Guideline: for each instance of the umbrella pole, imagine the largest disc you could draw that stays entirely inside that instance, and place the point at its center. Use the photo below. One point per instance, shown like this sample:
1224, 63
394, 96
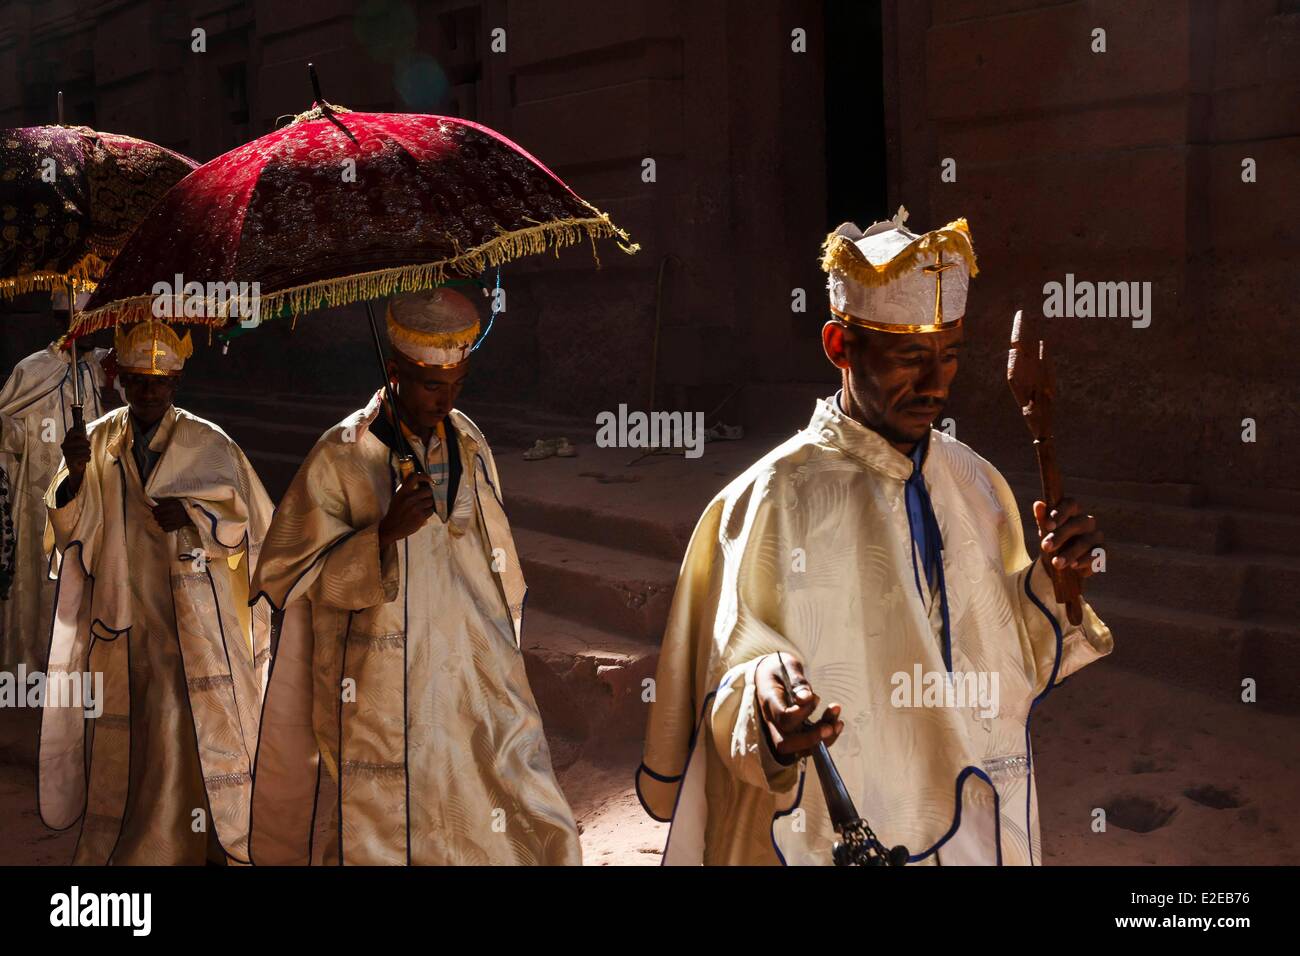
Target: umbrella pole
388, 391
77, 419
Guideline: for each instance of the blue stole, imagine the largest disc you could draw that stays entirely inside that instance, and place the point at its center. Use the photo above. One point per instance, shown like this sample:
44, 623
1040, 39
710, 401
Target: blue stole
927, 540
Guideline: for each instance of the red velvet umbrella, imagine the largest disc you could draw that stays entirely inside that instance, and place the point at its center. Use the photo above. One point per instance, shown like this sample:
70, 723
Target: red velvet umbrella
339, 207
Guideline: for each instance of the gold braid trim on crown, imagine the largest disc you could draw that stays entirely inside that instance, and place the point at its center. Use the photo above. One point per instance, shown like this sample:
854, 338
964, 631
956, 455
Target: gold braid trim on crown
436, 340
839, 254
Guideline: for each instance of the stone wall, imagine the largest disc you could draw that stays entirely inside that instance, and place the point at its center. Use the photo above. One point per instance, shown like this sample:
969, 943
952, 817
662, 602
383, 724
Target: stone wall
1115, 166
1119, 166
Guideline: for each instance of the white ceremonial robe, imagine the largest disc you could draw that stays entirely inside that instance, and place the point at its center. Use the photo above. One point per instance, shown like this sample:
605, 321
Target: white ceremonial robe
163, 775
35, 414
809, 552
400, 674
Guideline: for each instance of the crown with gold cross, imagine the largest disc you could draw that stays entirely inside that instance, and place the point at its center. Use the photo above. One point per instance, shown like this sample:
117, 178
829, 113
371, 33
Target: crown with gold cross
151, 348
890, 279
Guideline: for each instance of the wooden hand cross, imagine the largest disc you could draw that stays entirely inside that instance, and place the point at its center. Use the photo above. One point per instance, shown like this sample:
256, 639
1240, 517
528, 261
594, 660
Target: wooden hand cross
1033, 383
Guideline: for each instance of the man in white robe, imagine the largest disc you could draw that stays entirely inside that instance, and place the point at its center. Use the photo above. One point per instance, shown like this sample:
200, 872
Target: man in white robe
35, 414
398, 682
886, 562
155, 521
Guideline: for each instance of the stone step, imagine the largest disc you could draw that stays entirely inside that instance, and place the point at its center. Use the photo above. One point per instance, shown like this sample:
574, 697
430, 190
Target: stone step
1207, 529
589, 684
1201, 530
1263, 531
619, 591
1280, 500
503, 424
587, 521
1166, 493
271, 408
1227, 585
1208, 653
1273, 584
276, 432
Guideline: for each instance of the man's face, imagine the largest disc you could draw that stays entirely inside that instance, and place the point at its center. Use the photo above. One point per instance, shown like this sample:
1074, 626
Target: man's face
426, 395
149, 395
898, 382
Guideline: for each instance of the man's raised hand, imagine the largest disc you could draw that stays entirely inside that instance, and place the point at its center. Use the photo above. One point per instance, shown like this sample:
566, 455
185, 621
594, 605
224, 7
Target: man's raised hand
411, 507
1067, 536
784, 715
76, 449
76, 455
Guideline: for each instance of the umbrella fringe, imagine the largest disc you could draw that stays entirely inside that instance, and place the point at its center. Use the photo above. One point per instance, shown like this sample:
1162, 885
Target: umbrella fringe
92, 266
345, 290
45, 282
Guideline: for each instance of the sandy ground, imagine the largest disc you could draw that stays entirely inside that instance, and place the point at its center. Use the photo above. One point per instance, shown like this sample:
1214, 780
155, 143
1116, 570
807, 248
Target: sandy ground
1184, 779
615, 830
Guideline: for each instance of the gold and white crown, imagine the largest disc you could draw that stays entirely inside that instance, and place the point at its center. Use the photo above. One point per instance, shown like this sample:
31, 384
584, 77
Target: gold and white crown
434, 328
892, 280
151, 348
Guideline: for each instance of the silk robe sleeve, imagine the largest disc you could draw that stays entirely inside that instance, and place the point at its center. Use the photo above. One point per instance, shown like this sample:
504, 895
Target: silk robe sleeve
682, 695
230, 508
735, 719
1053, 646
80, 520
317, 546
738, 732
354, 575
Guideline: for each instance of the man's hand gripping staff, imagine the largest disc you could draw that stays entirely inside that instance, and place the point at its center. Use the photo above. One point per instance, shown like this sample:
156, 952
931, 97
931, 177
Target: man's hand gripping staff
785, 706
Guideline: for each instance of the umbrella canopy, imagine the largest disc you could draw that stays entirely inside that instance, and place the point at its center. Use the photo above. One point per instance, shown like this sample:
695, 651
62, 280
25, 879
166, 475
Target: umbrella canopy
339, 207
69, 197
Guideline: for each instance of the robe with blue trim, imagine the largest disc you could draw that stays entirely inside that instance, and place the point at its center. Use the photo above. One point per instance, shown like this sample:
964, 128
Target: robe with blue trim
810, 552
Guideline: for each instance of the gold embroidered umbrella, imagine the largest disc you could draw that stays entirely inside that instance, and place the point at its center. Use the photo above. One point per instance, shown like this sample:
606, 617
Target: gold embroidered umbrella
69, 198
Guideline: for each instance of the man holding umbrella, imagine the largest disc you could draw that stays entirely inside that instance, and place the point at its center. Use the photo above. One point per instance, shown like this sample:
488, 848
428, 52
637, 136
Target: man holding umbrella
398, 668
156, 519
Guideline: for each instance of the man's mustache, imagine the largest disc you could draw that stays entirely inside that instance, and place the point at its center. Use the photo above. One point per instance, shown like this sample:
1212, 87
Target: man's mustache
927, 405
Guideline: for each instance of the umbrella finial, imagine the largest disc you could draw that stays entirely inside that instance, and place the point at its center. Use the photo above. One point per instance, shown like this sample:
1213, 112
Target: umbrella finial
60, 107
325, 109
315, 83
